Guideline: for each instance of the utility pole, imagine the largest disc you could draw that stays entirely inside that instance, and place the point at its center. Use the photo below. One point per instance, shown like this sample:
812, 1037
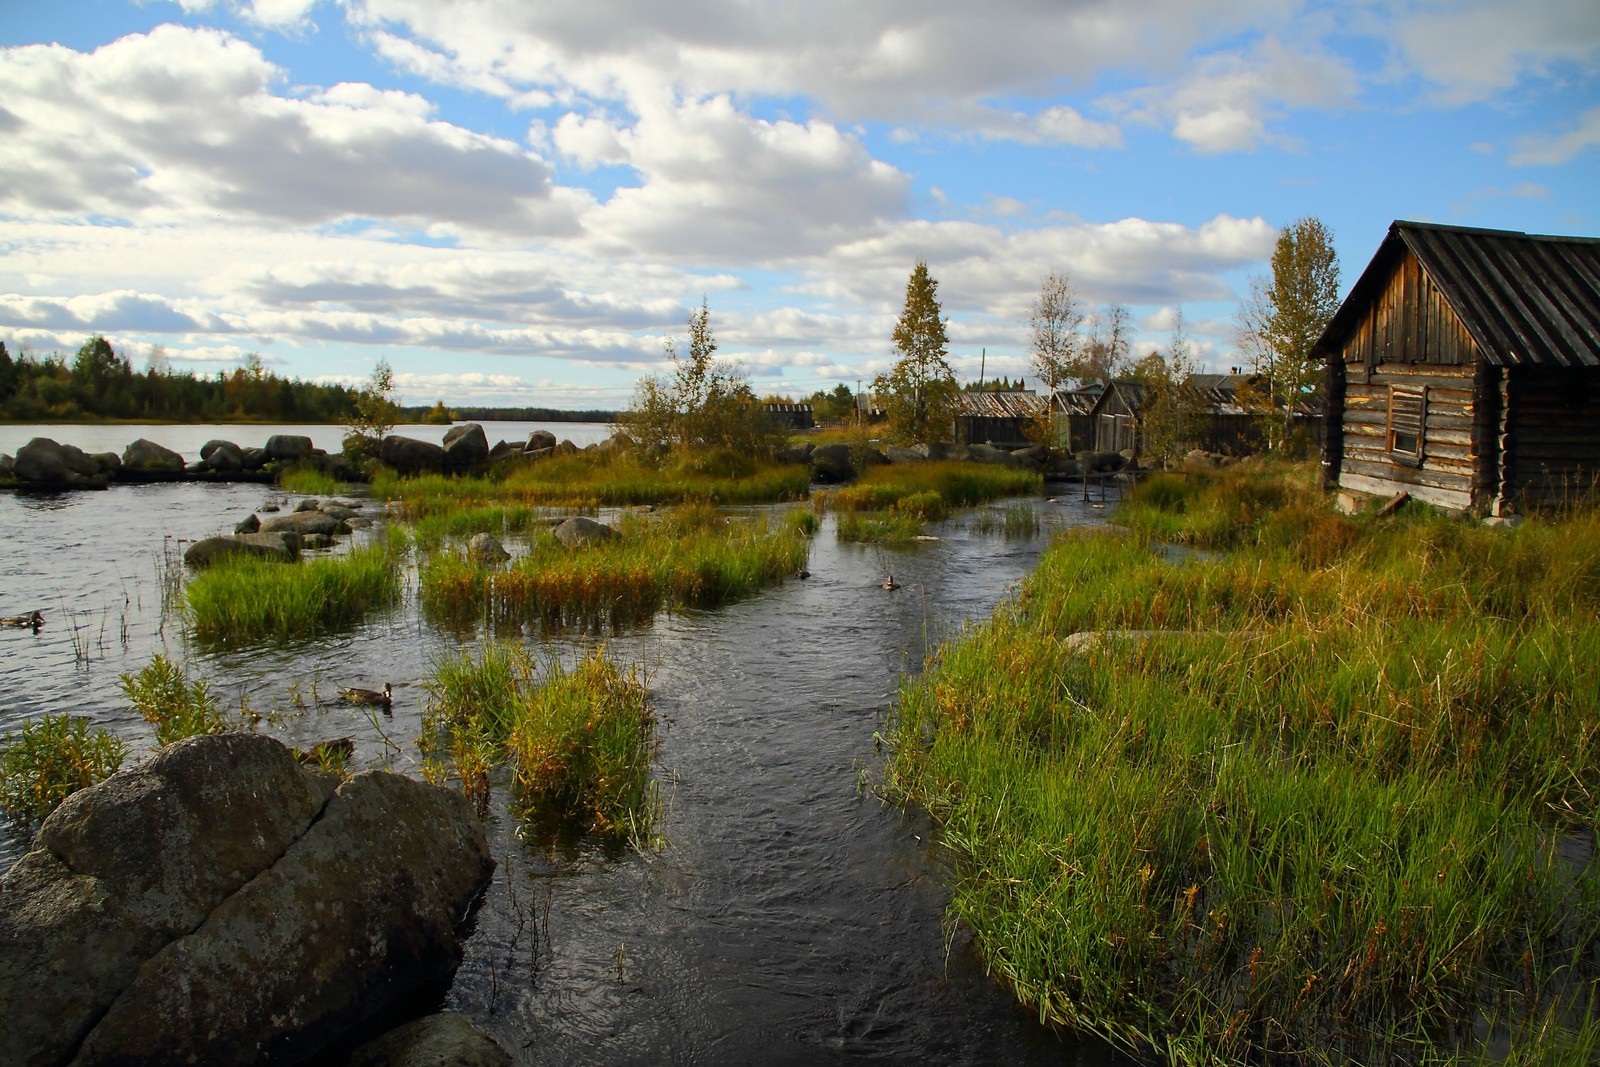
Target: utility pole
983, 358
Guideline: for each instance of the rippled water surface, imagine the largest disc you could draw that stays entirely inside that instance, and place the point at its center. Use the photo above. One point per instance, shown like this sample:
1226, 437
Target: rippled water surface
790, 917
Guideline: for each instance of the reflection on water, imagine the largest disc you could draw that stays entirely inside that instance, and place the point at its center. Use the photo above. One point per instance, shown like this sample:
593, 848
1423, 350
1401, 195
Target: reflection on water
790, 916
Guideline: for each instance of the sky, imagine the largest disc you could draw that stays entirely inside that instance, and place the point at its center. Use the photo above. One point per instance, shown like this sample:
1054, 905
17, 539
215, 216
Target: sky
517, 204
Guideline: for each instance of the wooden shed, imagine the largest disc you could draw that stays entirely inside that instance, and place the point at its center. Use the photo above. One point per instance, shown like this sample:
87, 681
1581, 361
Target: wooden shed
1464, 368
790, 416
997, 418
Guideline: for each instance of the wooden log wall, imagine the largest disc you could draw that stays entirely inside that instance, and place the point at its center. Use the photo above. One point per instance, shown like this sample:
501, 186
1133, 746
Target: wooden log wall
1551, 442
1410, 322
1447, 475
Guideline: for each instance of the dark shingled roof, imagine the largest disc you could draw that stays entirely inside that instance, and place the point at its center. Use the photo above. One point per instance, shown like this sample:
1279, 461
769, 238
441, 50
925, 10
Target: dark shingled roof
1524, 298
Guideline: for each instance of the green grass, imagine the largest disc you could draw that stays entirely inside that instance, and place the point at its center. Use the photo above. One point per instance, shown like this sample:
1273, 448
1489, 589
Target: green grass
177, 707
49, 759
1322, 820
593, 480
239, 600
580, 744
890, 504
691, 556
310, 482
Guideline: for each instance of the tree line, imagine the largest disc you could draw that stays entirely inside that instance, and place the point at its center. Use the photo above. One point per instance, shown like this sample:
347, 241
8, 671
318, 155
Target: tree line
100, 383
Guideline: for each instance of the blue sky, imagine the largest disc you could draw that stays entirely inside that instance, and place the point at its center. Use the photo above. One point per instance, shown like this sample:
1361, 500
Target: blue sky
515, 203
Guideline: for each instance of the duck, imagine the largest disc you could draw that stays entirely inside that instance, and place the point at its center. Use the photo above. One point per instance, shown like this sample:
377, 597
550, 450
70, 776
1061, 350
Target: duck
802, 573
34, 619
890, 583
368, 696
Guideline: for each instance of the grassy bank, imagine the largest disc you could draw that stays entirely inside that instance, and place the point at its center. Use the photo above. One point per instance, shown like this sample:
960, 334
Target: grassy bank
691, 556
1337, 810
580, 742
890, 504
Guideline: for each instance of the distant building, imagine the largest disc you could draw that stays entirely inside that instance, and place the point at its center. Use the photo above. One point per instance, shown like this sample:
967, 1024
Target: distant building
1464, 368
1001, 419
790, 416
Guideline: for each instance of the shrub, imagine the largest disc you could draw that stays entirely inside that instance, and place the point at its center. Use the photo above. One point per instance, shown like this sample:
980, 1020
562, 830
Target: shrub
178, 708
51, 758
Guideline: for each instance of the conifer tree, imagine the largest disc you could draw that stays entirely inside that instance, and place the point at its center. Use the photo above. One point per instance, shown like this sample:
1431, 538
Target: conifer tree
919, 392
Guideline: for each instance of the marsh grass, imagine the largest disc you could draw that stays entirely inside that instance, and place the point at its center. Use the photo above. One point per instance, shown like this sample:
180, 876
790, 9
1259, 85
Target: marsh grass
49, 759
310, 482
593, 480
579, 743
690, 557
238, 600
177, 707
890, 504
1328, 817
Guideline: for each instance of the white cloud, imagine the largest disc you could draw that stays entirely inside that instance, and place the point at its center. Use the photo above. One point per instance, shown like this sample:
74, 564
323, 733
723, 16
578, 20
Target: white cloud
1552, 150
1471, 49
181, 124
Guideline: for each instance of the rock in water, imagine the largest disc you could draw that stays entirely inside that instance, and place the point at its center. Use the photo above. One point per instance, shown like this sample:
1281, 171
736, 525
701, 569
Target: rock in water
581, 530
465, 446
146, 455
486, 549
219, 906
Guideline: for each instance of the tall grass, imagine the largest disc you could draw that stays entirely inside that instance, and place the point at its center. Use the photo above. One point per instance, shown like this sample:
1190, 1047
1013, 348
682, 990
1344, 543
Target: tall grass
1334, 810
580, 744
890, 504
49, 759
310, 481
592, 480
688, 557
239, 600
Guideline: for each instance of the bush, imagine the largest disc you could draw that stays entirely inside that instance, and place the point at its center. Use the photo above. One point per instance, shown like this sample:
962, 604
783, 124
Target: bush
51, 758
178, 708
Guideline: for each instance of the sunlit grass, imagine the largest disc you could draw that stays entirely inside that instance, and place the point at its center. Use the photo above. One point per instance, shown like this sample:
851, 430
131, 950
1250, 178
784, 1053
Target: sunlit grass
238, 600
1325, 815
686, 557
50, 758
580, 741
310, 482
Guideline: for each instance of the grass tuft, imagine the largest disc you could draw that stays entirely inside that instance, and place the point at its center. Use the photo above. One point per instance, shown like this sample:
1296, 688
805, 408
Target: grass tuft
49, 759
238, 600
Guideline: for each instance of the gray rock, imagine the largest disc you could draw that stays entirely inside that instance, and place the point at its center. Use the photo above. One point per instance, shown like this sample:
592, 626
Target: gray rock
360, 911
410, 456
800, 453
316, 540
906, 453
281, 547
581, 530
254, 458
251, 523
465, 446
8, 465
45, 463
108, 462
215, 443
618, 442
308, 504
502, 451
539, 453
338, 512
269, 508
306, 522
447, 1039
288, 446
197, 467
539, 439
124, 867
567, 448
357, 522
146, 455
486, 549
224, 456
832, 463
991, 454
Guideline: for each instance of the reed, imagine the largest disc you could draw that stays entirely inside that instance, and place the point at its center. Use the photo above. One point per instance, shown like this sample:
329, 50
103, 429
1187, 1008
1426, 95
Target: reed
238, 600
310, 482
688, 557
1336, 812
957, 485
580, 744
49, 759
177, 707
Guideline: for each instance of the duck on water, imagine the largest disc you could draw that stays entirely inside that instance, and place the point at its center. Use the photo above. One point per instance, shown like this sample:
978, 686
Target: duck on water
381, 698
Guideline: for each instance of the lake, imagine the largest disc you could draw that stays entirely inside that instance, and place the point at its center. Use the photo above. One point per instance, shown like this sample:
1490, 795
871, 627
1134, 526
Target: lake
790, 917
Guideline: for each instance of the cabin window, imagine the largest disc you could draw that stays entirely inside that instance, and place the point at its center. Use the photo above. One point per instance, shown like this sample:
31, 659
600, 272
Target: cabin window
1408, 415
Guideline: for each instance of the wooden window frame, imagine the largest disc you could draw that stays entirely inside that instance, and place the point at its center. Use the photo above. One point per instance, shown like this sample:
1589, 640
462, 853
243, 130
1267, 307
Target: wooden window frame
1407, 426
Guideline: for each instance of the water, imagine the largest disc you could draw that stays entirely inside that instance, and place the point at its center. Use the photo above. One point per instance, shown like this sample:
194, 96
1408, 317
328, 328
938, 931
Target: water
790, 917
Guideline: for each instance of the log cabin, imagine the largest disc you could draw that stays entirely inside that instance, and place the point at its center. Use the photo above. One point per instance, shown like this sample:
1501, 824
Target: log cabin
1464, 369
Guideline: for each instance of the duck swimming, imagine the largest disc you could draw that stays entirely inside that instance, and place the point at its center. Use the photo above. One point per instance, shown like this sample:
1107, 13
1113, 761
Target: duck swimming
34, 619
368, 696
890, 583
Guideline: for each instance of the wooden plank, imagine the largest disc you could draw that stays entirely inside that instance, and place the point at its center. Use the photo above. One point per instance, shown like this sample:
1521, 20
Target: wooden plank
1455, 501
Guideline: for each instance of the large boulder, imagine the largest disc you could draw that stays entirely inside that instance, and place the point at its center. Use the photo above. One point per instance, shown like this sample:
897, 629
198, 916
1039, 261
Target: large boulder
288, 447
226, 456
1000, 457
539, 439
8, 465
146, 455
831, 463
619, 442
410, 456
796, 453
279, 547
465, 446
44, 463
108, 462
219, 906
446, 1039
907, 453
306, 522
581, 530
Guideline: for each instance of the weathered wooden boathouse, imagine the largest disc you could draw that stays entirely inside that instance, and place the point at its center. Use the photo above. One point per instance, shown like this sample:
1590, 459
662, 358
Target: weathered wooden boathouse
1464, 369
